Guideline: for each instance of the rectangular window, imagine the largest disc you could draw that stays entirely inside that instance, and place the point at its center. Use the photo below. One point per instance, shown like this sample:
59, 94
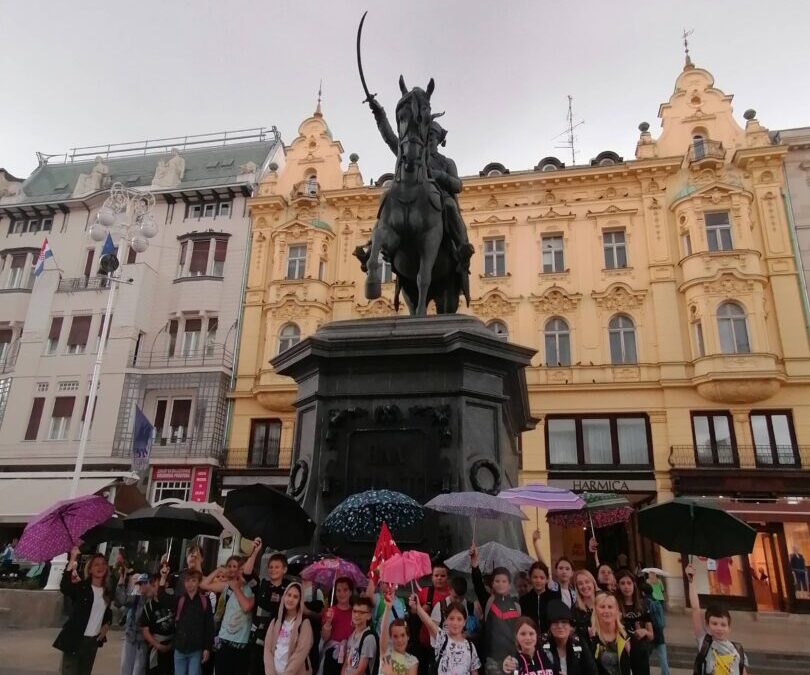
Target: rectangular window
17, 227
220, 251
686, 244
17, 271
774, 438
60, 417
178, 424
88, 262
209, 210
199, 258
225, 209
33, 225
172, 337
5, 345
194, 210
718, 231
615, 249
79, 332
32, 430
132, 256
101, 330
606, 440
495, 257
191, 336
265, 440
322, 270
160, 420
700, 347
296, 261
47, 224
171, 489
181, 263
714, 439
553, 260
211, 336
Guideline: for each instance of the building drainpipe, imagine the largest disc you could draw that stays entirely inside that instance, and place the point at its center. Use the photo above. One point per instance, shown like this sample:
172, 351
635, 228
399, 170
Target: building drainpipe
794, 242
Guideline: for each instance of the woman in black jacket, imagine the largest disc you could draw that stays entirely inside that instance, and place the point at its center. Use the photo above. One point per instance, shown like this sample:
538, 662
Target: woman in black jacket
562, 641
90, 615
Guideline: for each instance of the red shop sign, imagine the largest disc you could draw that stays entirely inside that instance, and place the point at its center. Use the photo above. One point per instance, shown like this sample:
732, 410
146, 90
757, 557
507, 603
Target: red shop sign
199, 486
171, 473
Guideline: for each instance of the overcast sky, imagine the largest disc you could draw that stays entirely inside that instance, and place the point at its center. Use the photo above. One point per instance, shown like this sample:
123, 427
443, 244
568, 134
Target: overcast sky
102, 71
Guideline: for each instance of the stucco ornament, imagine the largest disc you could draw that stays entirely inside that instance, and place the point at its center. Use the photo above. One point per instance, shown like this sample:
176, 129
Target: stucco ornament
492, 304
556, 301
619, 298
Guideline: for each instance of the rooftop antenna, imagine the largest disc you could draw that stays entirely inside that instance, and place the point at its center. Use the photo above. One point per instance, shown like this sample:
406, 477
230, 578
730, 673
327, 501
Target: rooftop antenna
569, 143
318, 107
685, 35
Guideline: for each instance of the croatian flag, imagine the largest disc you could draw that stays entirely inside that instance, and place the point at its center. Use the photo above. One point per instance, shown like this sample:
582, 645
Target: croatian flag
44, 253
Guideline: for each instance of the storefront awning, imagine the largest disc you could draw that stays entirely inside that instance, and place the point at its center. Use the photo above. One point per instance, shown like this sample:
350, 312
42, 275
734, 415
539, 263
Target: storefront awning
23, 498
778, 511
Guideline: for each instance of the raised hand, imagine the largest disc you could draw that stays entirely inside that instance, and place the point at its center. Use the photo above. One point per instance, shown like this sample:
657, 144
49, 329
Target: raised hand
473, 555
536, 536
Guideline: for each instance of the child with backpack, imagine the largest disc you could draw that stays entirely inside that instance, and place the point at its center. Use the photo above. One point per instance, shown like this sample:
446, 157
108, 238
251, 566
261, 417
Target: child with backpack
289, 636
395, 659
717, 654
362, 648
194, 627
458, 593
454, 654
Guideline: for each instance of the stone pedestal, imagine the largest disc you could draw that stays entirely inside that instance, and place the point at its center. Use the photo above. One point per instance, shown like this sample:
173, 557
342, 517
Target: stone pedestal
417, 405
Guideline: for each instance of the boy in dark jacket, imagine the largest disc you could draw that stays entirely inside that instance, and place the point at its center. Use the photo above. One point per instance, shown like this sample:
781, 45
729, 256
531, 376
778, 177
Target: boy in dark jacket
194, 627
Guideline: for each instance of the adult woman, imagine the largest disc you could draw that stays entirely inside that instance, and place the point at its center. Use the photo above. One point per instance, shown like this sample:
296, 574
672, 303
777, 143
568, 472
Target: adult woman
567, 653
90, 616
336, 626
289, 637
610, 646
582, 611
533, 604
637, 622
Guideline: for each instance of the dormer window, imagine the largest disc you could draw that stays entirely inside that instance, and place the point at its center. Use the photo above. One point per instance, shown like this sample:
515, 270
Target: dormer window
494, 172
549, 167
494, 169
607, 158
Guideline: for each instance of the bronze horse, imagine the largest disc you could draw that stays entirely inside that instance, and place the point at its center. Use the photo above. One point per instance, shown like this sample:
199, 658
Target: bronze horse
410, 226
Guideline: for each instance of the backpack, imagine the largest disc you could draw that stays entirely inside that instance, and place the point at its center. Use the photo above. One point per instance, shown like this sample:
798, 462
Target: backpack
182, 603
700, 659
472, 626
374, 665
433, 667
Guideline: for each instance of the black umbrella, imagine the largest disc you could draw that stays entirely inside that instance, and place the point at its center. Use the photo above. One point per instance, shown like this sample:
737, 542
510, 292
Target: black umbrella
261, 511
112, 530
687, 526
172, 521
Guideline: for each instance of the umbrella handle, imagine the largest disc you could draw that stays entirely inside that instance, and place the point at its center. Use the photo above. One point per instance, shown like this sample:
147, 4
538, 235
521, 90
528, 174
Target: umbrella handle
590, 519
537, 517
475, 520
332, 599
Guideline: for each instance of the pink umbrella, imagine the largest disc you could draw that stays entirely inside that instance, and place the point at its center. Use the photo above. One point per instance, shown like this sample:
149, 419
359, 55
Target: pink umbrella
403, 568
59, 528
324, 573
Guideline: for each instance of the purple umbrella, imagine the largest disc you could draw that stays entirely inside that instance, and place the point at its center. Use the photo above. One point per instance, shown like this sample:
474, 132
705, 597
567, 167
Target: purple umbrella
59, 528
476, 505
543, 497
324, 573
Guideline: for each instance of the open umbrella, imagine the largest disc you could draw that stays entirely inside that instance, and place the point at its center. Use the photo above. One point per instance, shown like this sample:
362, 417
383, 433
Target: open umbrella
211, 508
491, 555
59, 528
403, 568
602, 509
324, 573
260, 511
113, 530
168, 520
686, 526
543, 497
476, 505
365, 512
297, 563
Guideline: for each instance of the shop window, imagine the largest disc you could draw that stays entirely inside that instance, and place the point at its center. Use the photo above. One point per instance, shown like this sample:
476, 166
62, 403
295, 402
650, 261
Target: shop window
774, 438
265, 442
733, 329
724, 577
558, 343
797, 539
714, 439
622, 338
615, 248
495, 257
296, 261
604, 440
288, 336
171, 489
553, 258
718, 231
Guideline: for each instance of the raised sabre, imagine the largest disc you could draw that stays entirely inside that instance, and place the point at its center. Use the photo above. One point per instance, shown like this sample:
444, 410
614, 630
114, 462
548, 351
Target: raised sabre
369, 95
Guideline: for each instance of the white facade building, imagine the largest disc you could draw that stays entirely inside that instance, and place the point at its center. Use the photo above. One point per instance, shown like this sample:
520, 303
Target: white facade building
174, 327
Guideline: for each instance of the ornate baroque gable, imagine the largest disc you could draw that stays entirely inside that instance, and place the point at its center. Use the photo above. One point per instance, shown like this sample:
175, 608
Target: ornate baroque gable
493, 304
619, 297
378, 307
555, 300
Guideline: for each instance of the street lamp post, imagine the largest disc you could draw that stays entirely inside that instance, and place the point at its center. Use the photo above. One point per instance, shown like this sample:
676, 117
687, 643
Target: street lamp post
128, 214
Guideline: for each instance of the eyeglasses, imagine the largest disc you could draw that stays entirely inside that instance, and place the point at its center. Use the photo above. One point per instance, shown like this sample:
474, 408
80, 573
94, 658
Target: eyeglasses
360, 611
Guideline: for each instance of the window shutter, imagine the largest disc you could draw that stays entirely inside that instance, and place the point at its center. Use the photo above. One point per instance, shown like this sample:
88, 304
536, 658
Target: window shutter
199, 257
33, 421
220, 250
132, 255
193, 325
213, 324
181, 413
5, 336
18, 260
84, 408
56, 328
173, 327
79, 330
63, 406
183, 247
101, 324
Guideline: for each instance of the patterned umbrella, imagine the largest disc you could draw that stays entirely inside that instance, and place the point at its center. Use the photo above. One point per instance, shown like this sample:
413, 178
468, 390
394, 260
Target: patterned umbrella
325, 572
475, 505
297, 563
404, 568
59, 528
364, 513
491, 555
602, 509
543, 497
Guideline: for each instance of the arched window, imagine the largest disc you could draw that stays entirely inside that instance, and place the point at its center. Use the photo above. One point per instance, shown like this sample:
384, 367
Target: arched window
622, 334
288, 336
558, 343
607, 161
733, 329
500, 329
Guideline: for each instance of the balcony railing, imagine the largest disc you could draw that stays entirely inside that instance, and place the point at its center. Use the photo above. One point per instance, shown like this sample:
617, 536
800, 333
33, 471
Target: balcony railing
700, 150
99, 283
255, 458
179, 447
217, 355
739, 457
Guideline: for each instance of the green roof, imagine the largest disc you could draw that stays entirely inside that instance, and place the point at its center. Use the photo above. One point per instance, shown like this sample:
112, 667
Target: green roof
321, 225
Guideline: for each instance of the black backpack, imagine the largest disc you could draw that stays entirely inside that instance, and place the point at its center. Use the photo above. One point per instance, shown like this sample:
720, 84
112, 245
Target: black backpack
373, 667
700, 659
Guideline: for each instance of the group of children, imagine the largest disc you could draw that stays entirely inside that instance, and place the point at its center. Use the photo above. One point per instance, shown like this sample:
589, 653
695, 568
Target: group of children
233, 622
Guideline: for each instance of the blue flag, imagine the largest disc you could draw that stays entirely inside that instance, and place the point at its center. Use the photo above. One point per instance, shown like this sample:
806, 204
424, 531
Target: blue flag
142, 432
108, 247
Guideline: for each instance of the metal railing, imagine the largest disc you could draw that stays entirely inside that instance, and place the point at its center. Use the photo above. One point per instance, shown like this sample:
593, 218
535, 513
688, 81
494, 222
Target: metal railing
217, 355
255, 458
706, 149
97, 283
739, 457
177, 448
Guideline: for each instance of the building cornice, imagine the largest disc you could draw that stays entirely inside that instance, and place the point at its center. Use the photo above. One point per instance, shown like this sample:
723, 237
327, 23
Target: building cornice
745, 157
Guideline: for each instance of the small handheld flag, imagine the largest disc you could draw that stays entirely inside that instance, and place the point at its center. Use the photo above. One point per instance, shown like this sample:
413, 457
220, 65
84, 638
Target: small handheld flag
44, 253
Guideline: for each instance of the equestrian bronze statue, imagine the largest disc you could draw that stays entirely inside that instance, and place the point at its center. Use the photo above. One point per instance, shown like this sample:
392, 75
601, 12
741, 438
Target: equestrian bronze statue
419, 228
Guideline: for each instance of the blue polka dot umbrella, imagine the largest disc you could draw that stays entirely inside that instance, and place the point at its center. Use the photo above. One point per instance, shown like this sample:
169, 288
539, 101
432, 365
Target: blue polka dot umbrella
363, 514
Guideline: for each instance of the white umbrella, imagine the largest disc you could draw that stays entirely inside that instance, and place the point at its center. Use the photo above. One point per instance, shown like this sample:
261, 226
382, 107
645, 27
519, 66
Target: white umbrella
655, 570
491, 555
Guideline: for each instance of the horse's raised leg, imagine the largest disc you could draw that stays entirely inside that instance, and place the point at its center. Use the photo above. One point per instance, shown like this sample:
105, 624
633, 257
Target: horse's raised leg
374, 274
427, 256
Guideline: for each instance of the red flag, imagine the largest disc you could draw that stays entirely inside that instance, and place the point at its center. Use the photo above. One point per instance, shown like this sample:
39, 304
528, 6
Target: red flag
386, 547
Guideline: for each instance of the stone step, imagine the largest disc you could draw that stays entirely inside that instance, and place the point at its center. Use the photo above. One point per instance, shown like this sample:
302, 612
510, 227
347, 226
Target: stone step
761, 662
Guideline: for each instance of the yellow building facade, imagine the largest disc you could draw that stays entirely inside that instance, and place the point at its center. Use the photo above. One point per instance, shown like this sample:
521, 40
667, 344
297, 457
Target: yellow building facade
661, 294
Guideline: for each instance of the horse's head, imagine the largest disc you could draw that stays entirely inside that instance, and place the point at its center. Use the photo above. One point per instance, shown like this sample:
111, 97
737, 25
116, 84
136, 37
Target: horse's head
413, 123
